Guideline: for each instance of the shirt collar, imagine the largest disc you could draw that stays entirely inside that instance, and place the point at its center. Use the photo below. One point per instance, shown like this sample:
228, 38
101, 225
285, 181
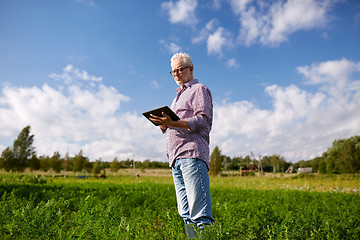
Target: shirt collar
186, 85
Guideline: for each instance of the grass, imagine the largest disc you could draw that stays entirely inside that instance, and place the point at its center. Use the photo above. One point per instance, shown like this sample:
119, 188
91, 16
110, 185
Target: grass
125, 207
301, 182
270, 181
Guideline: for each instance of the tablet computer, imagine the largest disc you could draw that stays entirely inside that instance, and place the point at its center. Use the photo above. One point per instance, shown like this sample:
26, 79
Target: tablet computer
159, 111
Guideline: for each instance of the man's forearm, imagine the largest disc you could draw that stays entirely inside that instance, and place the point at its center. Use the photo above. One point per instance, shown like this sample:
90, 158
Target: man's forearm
179, 124
166, 121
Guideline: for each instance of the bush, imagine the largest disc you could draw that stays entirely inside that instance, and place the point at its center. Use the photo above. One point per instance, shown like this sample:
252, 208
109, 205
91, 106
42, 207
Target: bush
25, 179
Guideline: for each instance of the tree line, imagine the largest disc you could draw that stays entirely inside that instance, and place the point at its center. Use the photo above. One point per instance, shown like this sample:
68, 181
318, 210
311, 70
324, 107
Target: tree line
220, 163
22, 155
342, 157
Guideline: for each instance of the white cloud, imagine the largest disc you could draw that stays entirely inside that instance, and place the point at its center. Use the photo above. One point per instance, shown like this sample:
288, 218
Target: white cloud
330, 72
76, 117
231, 62
183, 11
261, 22
216, 41
300, 125
171, 47
205, 32
271, 23
155, 84
335, 77
216, 37
71, 75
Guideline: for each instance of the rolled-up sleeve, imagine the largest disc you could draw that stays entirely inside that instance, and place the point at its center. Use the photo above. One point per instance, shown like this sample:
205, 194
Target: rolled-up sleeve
202, 110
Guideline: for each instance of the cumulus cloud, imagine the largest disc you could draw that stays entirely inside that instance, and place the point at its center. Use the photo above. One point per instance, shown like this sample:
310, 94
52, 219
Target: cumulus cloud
71, 74
335, 77
206, 31
271, 23
300, 125
183, 11
215, 37
260, 22
333, 72
171, 47
75, 117
216, 41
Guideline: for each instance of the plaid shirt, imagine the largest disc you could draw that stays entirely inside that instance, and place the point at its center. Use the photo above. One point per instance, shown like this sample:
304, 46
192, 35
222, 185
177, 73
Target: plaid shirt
192, 103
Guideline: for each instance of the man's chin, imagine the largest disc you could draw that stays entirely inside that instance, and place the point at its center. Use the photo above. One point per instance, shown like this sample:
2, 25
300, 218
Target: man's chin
180, 83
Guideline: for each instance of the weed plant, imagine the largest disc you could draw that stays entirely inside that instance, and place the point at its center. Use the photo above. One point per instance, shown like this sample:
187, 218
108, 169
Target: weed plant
96, 209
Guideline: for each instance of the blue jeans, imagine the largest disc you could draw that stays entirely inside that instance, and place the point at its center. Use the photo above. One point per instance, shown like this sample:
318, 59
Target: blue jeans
192, 188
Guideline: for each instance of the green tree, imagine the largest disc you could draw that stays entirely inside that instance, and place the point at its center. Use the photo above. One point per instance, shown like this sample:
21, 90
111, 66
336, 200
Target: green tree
234, 164
23, 149
44, 163
115, 165
146, 163
333, 157
34, 163
97, 166
79, 162
266, 163
322, 166
349, 157
7, 159
126, 163
215, 161
275, 159
344, 156
279, 164
55, 162
67, 163
303, 164
246, 162
318, 164
88, 166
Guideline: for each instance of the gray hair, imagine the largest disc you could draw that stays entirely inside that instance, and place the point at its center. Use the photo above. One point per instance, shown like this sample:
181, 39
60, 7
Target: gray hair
186, 59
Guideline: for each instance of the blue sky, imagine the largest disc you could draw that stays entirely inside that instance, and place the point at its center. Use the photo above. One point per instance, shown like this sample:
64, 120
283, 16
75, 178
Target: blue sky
284, 75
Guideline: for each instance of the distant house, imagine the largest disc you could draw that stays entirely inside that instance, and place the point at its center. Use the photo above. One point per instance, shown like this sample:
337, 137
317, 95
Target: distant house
305, 170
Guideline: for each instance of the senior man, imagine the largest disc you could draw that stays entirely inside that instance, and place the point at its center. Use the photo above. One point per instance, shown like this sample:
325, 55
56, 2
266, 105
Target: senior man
188, 144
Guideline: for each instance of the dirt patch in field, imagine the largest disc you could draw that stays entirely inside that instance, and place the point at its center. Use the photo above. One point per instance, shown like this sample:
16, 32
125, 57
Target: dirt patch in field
145, 172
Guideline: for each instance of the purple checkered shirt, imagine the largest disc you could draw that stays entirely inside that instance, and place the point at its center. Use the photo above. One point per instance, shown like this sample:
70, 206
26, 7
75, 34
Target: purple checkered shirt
192, 103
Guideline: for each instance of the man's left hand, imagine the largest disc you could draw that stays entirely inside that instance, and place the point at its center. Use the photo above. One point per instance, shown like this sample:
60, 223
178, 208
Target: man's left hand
165, 120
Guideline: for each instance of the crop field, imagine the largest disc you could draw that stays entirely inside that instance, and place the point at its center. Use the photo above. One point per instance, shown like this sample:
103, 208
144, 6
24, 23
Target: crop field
125, 207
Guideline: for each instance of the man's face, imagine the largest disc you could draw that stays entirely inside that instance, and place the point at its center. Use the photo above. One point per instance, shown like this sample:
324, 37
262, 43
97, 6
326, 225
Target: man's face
184, 76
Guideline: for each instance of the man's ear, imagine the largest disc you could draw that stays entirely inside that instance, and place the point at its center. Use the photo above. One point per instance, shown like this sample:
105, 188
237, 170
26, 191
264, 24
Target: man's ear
191, 69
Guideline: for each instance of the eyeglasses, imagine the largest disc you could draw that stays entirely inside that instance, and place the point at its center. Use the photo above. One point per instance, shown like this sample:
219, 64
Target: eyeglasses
178, 71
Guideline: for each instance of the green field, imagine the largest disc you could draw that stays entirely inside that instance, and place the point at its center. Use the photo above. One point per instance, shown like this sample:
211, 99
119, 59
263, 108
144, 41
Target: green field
125, 207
